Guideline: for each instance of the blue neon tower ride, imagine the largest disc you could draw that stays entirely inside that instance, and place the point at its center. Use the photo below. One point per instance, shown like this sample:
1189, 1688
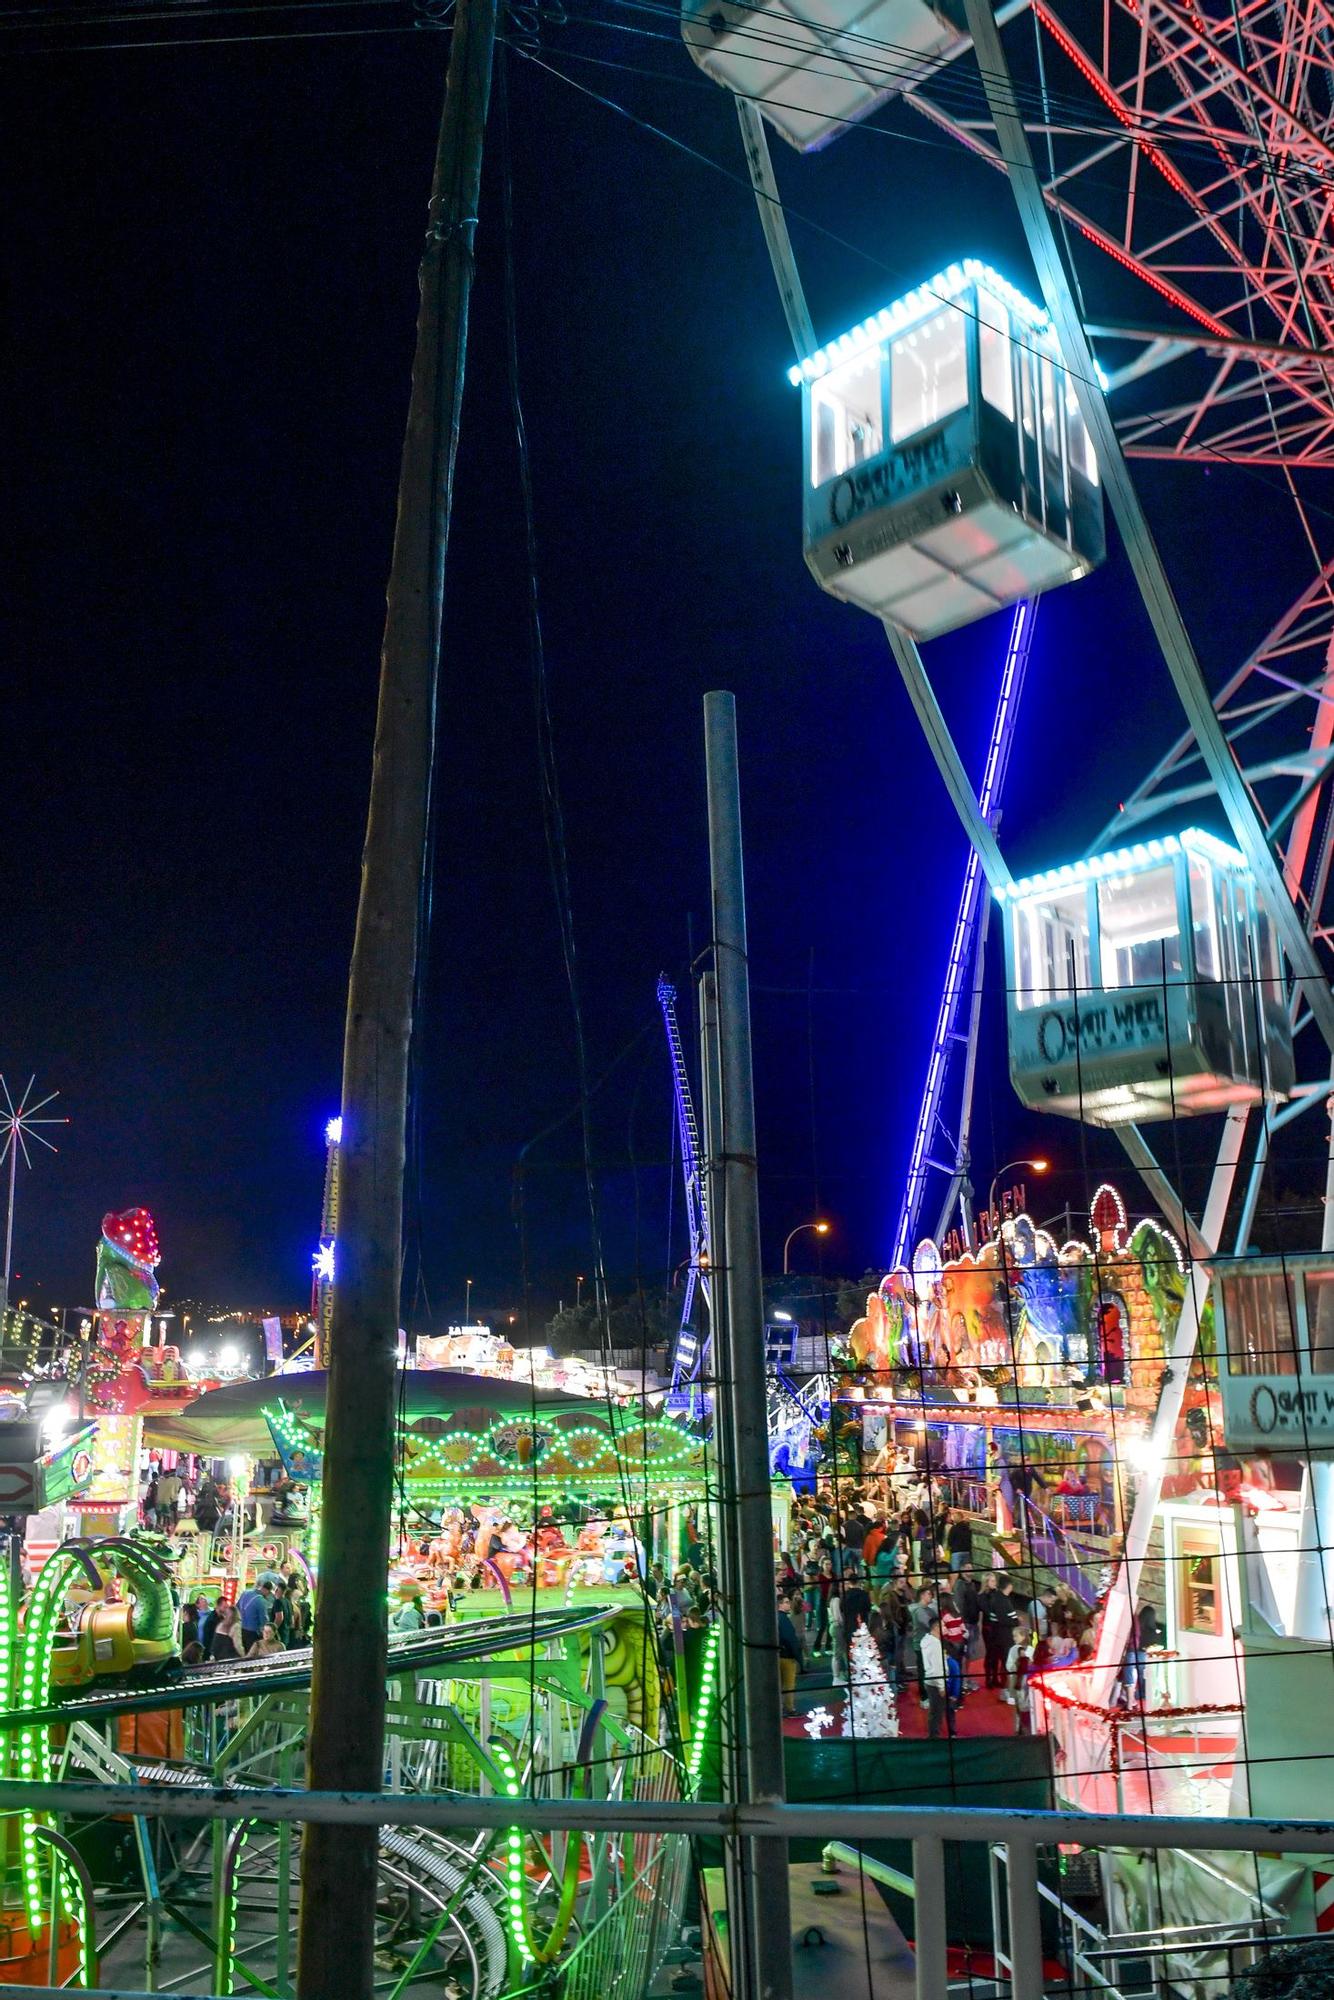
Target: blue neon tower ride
691, 1347
963, 971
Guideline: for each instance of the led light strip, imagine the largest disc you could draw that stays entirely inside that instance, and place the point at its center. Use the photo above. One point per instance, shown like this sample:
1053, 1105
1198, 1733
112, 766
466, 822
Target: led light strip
941, 290
516, 1879
34, 1692
708, 1689
225, 1960
72, 1894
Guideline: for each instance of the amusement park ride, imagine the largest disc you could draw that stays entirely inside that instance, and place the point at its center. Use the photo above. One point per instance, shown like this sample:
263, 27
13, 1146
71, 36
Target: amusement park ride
958, 449
958, 452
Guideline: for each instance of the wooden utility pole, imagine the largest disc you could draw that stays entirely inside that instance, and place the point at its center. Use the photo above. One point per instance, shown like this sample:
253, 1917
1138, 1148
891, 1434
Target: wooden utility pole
336, 1938
761, 1950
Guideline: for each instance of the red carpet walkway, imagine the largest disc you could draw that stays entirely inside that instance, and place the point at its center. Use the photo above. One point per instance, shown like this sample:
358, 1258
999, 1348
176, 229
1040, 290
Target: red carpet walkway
982, 1713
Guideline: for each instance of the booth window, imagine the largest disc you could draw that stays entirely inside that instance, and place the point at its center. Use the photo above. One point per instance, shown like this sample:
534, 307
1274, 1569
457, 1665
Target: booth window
1199, 1599
928, 374
1202, 919
1051, 421
1083, 458
1266, 953
1257, 1314
1027, 363
1137, 921
847, 418
1320, 1321
1052, 949
993, 341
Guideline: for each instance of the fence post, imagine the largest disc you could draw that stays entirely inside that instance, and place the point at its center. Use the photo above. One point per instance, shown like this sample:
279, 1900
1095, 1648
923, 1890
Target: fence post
1021, 1889
929, 1942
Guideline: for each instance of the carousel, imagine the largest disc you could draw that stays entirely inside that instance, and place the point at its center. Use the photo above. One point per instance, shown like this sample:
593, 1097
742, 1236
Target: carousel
501, 1488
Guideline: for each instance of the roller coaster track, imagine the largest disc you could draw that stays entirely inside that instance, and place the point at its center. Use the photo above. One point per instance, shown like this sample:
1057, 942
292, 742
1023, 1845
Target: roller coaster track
448, 1647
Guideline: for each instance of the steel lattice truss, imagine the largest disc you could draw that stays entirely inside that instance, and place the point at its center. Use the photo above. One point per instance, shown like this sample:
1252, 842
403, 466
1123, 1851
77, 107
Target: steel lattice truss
1278, 709
1194, 148
1189, 151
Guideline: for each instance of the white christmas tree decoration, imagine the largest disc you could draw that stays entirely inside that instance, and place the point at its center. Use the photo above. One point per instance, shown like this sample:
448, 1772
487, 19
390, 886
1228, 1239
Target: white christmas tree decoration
870, 1709
817, 1721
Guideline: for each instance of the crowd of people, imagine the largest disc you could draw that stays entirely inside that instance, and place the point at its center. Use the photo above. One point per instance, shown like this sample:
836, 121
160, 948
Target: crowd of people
187, 1491
909, 1576
270, 1616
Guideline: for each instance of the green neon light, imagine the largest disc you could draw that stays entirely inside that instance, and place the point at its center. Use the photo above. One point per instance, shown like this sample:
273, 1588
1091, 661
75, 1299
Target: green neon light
708, 1691
224, 1966
468, 1452
73, 1896
516, 1880
39, 1637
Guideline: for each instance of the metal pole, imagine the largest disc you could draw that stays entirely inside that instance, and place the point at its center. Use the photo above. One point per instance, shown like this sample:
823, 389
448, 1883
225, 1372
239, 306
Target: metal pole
9, 1221
744, 1433
336, 1939
1025, 1914
930, 1934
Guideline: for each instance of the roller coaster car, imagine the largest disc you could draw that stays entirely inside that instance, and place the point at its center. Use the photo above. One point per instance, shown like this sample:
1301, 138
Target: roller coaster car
135, 1638
103, 1644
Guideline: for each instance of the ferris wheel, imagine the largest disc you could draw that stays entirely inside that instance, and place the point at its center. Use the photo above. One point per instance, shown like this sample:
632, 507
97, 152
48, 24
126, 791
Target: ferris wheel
959, 450
1192, 156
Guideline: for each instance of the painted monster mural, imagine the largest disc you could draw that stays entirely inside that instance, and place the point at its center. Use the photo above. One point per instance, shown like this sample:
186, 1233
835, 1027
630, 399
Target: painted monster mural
1100, 1309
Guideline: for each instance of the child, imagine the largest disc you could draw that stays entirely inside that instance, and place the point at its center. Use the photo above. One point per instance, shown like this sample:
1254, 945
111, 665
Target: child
1017, 1668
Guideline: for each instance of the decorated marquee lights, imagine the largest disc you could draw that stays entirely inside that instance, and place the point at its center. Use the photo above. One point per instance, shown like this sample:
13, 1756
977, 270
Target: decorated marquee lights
591, 1459
904, 313
1121, 861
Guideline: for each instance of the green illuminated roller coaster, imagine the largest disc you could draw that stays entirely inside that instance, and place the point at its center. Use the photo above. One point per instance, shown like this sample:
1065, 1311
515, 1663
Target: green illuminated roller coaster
560, 1703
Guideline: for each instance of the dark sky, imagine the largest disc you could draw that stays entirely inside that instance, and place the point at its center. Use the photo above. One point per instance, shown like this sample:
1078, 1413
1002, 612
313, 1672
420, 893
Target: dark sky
209, 261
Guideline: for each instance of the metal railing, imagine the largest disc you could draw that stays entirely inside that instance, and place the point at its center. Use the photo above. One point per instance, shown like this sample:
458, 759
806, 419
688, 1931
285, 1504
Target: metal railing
1020, 1834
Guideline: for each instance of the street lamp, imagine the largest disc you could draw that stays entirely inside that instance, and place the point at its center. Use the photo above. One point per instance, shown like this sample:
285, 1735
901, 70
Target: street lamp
1038, 1166
578, 1290
818, 1229
467, 1301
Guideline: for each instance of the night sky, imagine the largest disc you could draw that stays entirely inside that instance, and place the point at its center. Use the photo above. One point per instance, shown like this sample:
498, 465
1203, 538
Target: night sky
209, 265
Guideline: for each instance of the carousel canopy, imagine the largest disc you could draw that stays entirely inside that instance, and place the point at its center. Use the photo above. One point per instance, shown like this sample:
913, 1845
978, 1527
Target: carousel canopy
232, 1419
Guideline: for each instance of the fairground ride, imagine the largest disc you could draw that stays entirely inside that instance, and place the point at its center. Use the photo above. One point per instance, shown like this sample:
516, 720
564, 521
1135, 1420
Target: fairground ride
959, 446
549, 1705
538, 1675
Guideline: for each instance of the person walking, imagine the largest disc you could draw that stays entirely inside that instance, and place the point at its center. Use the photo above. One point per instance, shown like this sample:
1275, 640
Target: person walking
922, 1616
959, 1541
968, 1603
226, 1631
997, 1623
796, 1611
206, 1507
252, 1610
854, 1539
819, 1590
932, 1657
1018, 1666
789, 1655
